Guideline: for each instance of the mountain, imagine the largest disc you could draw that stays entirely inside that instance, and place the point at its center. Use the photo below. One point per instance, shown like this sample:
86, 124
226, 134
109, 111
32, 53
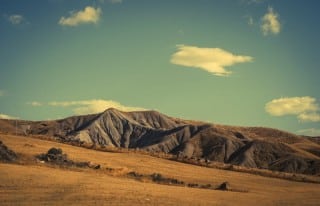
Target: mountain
255, 147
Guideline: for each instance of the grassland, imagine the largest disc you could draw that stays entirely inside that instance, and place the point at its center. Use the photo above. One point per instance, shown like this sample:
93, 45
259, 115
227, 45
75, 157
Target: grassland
28, 182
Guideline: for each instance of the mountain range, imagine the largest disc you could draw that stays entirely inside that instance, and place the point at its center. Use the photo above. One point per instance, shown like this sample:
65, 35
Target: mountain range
254, 147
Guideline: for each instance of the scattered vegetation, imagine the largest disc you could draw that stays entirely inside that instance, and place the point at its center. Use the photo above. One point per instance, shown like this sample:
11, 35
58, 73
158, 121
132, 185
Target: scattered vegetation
57, 157
160, 179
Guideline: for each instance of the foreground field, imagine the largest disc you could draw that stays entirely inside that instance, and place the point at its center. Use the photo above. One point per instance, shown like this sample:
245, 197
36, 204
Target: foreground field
31, 183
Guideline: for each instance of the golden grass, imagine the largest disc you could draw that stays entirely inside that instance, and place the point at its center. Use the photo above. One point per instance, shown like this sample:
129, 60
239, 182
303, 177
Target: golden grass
28, 183
218, 165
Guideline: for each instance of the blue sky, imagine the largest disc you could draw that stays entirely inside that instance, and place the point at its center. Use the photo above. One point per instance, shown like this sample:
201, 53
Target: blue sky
237, 62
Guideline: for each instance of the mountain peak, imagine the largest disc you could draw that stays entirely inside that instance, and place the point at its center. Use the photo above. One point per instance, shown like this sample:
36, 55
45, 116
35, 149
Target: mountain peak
111, 109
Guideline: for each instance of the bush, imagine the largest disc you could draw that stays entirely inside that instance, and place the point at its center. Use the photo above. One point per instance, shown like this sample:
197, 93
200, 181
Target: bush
56, 156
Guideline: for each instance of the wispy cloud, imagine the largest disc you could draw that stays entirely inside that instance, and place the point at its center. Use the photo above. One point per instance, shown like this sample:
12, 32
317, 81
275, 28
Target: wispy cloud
213, 60
181, 32
252, 1
305, 109
16, 19
270, 23
309, 132
89, 15
250, 20
93, 106
5, 116
115, 1
309, 117
35, 104
111, 1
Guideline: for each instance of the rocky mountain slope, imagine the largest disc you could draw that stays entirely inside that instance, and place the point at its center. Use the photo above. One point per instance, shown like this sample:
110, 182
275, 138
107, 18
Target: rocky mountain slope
255, 147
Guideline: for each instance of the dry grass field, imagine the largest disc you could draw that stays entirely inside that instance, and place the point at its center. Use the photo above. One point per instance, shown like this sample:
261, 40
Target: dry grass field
33, 183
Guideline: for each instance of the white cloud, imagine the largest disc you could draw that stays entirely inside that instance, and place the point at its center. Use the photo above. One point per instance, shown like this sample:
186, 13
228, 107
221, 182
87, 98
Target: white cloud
93, 106
5, 116
305, 108
309, 132
291, 105
213, 60
89, 15
35, 104
16, 19
270, 23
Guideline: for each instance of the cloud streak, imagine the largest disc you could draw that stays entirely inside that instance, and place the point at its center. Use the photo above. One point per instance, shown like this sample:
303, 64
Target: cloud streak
252, 1
115, 1
270, 23
250, 21
309, 117
111, 1
93, 106
5, 116
309, 132
35, 104
305, 108
89, 15
213, 60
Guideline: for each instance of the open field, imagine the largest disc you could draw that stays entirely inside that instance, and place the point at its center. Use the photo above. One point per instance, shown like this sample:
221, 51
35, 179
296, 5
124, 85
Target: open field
30, 183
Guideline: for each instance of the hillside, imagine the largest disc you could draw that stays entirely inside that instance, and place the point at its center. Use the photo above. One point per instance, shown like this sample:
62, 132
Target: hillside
254, 147
30, 182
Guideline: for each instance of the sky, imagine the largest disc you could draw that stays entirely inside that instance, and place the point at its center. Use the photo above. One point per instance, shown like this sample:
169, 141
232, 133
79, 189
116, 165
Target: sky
234, 62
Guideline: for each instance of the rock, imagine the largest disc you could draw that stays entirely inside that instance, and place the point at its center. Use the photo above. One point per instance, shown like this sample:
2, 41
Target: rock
224, 186
97, 167
6, 155
55, 151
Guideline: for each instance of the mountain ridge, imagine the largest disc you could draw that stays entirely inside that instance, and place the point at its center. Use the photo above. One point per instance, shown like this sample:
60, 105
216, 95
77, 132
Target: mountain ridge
256, 147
